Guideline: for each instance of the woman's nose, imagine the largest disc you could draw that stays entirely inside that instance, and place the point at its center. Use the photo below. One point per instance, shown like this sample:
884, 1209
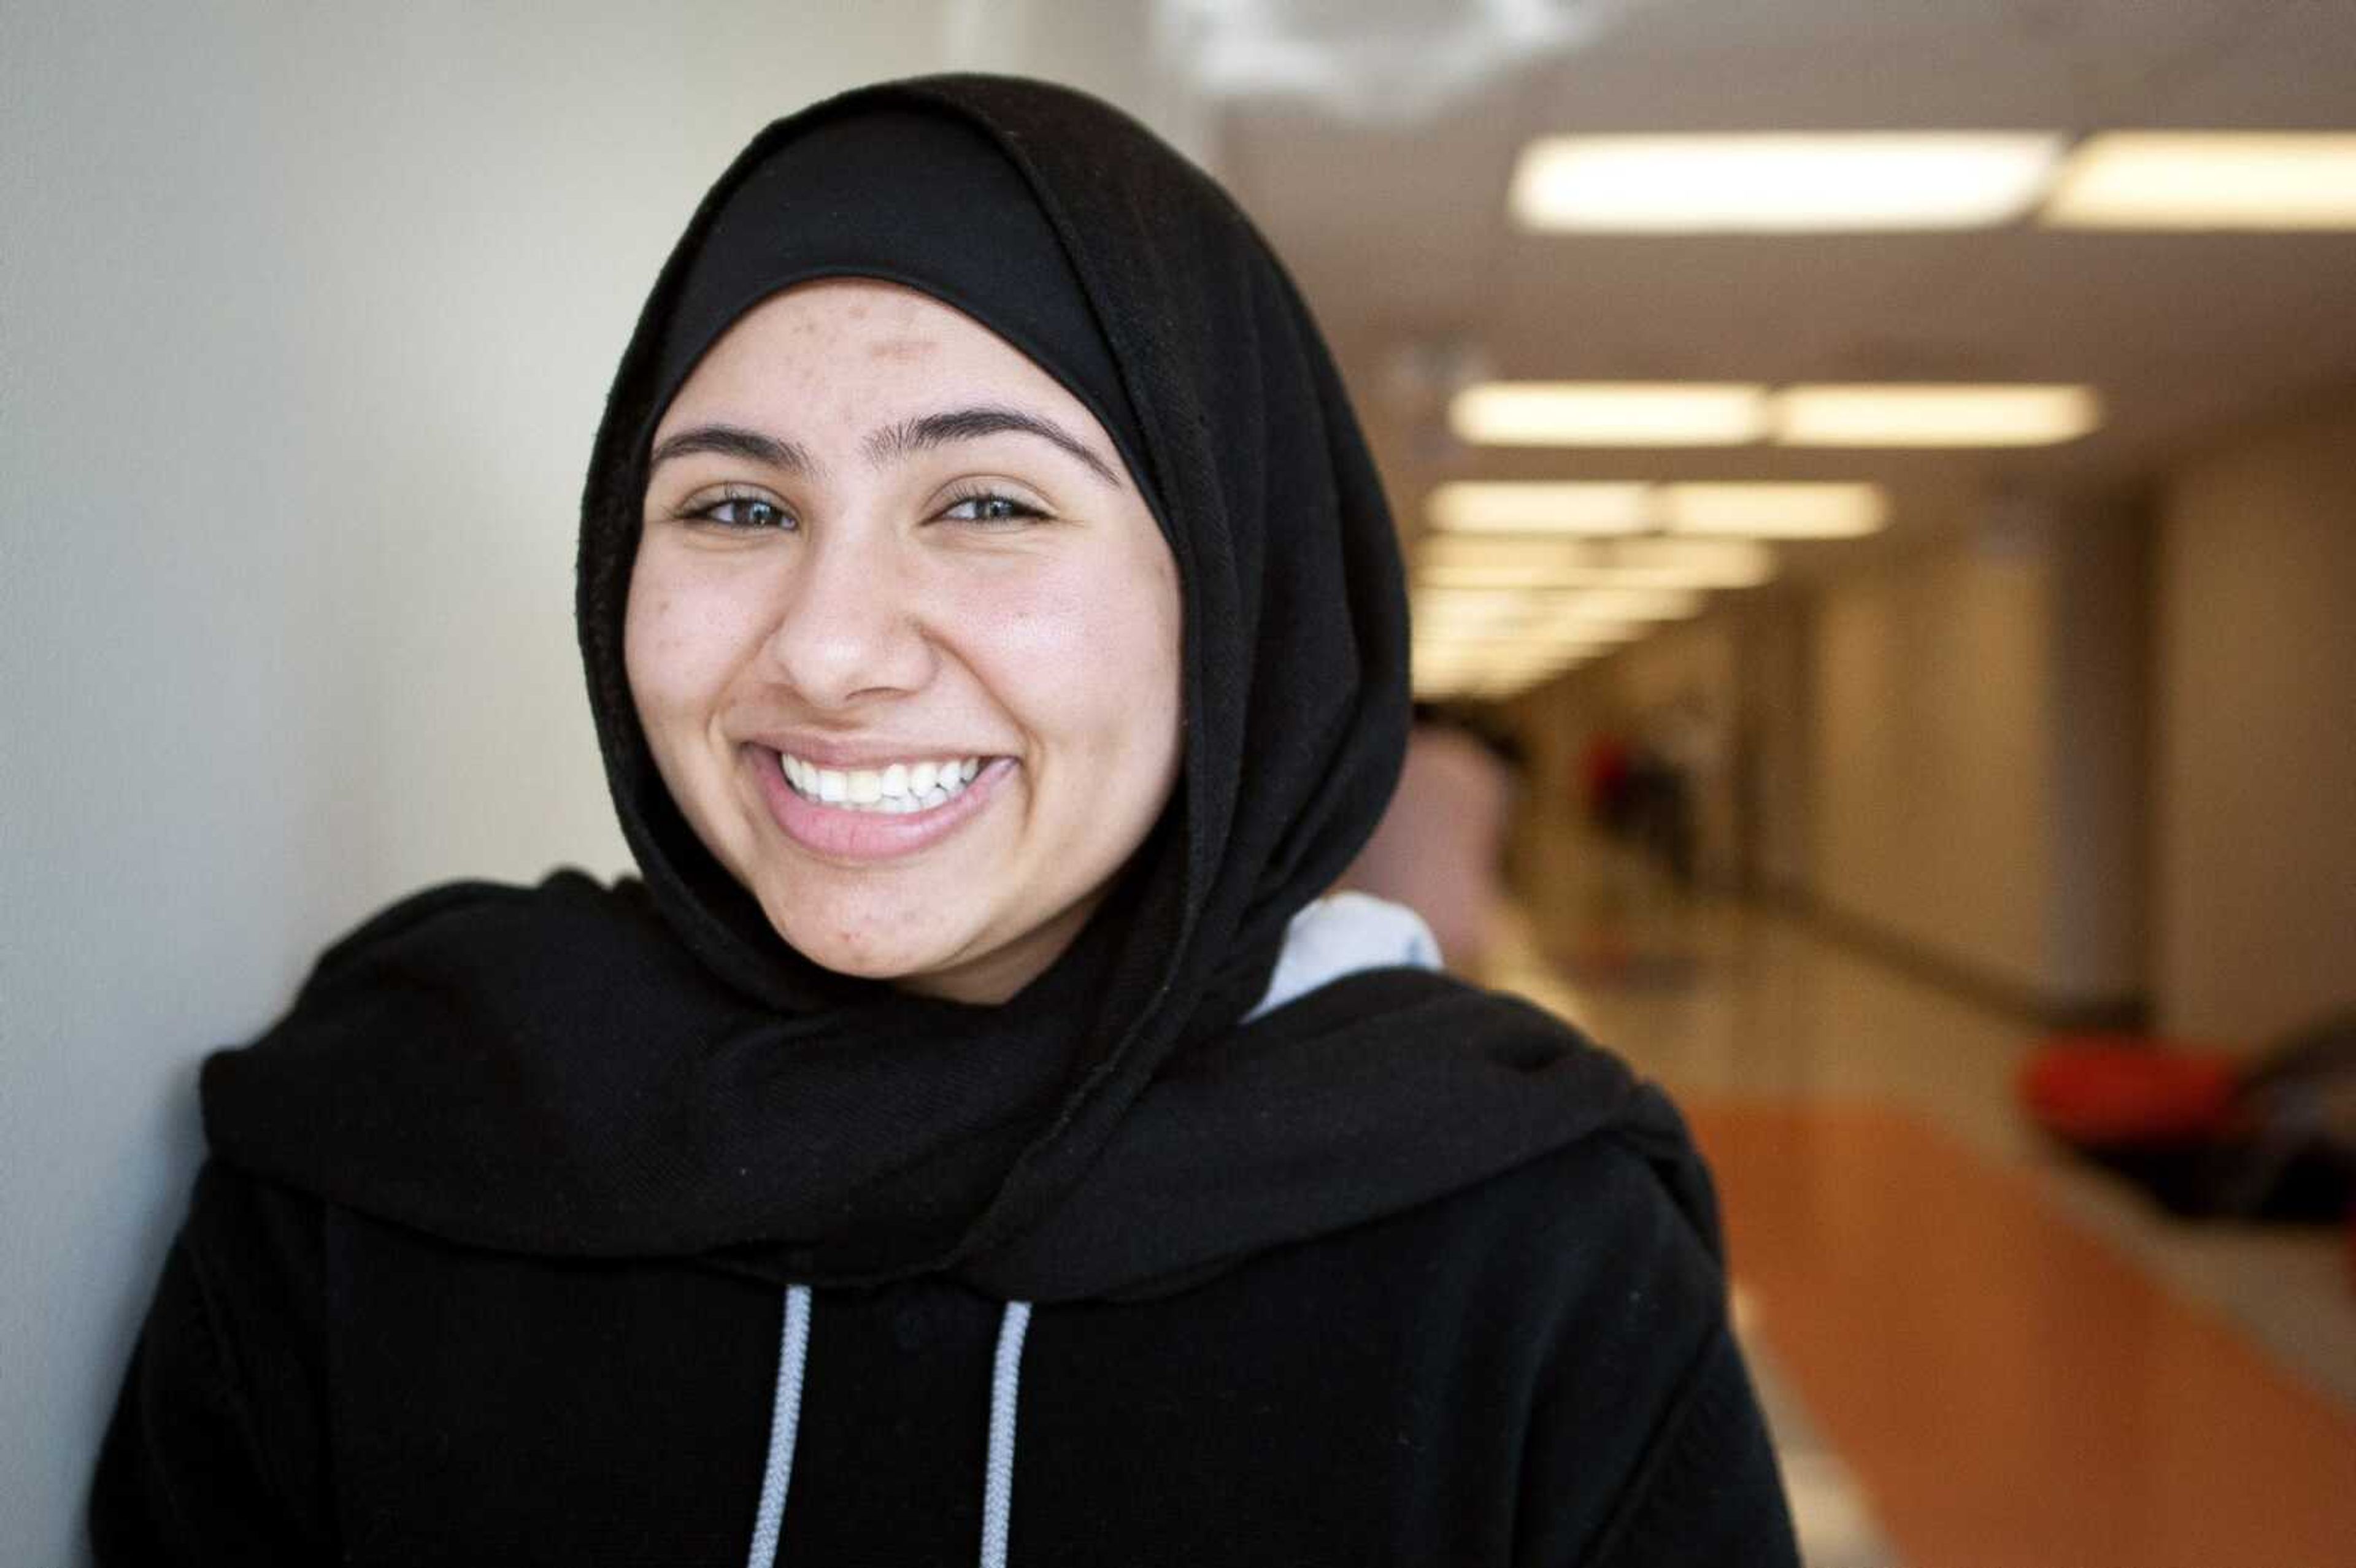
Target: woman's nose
848, 625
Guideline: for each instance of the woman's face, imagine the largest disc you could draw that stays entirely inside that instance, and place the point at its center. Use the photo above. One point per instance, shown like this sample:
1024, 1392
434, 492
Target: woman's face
904, 637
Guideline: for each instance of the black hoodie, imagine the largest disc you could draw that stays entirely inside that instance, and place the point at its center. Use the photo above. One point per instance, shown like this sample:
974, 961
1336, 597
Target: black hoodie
587, 1225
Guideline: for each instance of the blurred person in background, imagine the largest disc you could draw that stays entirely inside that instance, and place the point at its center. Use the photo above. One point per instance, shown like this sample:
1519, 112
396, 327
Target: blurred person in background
1440, 846
972, 1137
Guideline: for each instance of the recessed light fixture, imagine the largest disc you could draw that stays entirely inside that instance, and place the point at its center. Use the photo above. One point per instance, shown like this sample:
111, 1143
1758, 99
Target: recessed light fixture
1480, 612
1568, 506
1451, 563
1780, 510
2258, 180
1692, 562
1900, 414
1507, 549
1492, 650
1627, 603
1709, 414
1781, 182
1609, 413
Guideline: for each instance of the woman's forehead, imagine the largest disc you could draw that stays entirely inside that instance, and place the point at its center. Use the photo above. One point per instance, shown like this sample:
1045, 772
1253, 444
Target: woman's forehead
819, 345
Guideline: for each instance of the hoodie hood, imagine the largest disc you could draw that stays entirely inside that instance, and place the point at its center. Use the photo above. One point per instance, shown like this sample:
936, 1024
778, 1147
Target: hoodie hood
651, 1071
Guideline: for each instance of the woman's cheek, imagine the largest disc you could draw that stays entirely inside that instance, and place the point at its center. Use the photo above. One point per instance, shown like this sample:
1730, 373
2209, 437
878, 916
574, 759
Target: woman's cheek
684, 633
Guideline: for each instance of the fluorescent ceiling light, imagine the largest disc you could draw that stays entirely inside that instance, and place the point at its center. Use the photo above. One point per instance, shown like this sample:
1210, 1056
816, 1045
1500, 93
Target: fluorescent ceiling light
1558, 636
1779, 510
1669, 574
1428, 597
1499, 576
1781, 182
1870, 414
1536, 644
1533, 550
1454, 609
1531, 647
2206, 179
1708, 413
1450, 567
1455, 617
1443, 618
1605, 632
1608, 413
1561, 507
1629, 604
1533, 640
1691, 562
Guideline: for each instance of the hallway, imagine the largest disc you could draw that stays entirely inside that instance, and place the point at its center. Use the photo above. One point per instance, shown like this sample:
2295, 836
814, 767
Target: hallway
1973, 1353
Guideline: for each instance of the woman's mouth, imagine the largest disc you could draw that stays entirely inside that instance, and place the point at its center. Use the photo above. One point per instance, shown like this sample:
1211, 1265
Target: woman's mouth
857, 814
898, 789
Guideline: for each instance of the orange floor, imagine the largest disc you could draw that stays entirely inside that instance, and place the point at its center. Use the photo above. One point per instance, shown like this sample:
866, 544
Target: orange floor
1976, 1352
2007, 1389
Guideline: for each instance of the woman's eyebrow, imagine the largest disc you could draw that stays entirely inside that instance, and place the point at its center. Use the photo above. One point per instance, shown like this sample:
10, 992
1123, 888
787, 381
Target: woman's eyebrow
972, 424
732, 441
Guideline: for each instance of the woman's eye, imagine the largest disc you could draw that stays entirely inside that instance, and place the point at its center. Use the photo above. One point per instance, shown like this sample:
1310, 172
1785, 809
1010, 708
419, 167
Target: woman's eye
751, 513
989, 507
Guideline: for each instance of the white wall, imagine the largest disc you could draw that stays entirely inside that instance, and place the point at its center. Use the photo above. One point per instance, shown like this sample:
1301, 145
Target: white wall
2255, 846
308, 311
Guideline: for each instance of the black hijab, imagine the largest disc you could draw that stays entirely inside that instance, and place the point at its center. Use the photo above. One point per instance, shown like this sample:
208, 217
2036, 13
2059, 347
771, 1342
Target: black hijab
569, 1071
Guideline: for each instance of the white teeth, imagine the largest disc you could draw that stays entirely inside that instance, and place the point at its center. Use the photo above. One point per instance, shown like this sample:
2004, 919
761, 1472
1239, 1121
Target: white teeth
899, 789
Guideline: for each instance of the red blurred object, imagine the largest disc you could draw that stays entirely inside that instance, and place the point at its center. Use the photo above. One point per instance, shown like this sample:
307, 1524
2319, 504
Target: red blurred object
2111, 1091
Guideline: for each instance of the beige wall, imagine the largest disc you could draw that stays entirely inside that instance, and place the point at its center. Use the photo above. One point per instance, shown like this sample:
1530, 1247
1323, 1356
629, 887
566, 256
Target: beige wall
1778, 706
2256, 842
1933, 693
2098, 816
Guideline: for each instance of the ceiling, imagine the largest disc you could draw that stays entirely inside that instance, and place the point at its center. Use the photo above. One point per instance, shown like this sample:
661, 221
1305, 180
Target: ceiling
1396, 226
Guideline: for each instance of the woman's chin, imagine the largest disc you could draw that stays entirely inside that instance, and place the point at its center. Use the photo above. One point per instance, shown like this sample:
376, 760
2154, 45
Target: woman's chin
861, 961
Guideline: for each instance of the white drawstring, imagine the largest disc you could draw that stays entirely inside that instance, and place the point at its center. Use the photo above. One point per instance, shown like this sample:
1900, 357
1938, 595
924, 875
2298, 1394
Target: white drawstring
785, 1419
1005, 1381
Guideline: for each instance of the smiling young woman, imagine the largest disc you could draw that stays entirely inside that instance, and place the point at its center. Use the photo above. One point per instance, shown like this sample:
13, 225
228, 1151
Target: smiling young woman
974, 1135
886, 559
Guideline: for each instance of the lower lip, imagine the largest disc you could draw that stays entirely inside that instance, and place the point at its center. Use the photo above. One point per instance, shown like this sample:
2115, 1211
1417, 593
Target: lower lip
868, 836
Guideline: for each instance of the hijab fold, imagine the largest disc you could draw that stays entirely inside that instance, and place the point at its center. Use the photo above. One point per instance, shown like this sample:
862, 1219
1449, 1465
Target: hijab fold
575, 1071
